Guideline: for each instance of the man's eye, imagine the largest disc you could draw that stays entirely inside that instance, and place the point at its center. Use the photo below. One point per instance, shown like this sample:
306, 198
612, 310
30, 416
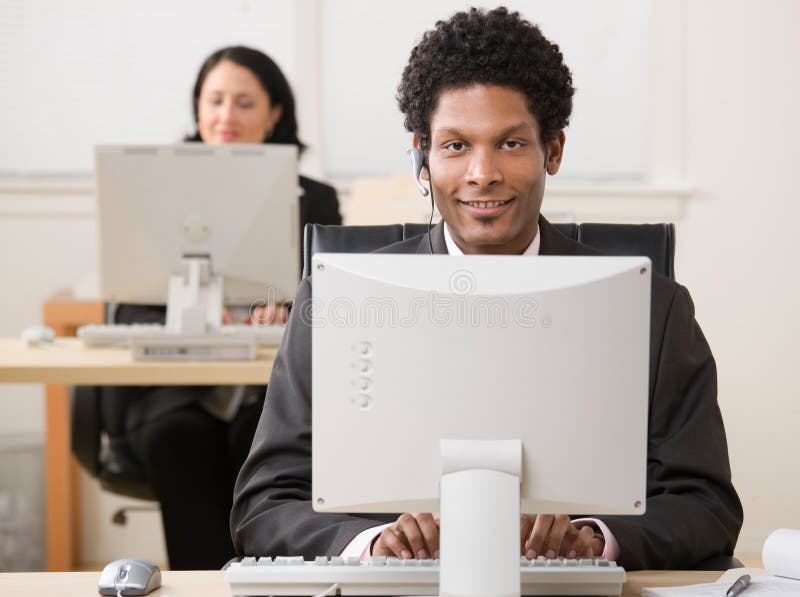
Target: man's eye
455, 146
511, 144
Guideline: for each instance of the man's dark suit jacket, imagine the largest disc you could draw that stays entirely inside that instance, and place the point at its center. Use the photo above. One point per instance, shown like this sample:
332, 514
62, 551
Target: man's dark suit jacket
693, 511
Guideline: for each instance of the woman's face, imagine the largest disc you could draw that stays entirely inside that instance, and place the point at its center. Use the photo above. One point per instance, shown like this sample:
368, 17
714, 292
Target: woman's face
233, 107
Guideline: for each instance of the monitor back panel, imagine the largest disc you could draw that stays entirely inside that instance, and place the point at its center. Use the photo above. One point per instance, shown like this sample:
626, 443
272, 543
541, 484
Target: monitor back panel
236, 203
411, 349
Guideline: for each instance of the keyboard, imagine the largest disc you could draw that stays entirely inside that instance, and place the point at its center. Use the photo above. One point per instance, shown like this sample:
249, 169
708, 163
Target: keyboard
285, 576
157, 342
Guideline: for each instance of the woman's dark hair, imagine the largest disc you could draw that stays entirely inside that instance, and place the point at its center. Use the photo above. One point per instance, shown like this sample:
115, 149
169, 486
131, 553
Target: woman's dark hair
272, 80
497, 47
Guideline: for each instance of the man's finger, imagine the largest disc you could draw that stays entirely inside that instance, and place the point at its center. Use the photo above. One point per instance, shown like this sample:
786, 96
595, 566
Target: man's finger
408, 525
536, 541
389, 543
430, 533
525, 528
580, 544
561, 526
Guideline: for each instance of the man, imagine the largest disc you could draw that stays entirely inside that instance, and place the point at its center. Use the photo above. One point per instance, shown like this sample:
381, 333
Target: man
487, 98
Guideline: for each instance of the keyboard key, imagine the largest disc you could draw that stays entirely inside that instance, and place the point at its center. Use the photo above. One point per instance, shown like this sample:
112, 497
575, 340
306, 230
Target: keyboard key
320, 561
289, 561
352, 561
265, 561
249, 561
337, 561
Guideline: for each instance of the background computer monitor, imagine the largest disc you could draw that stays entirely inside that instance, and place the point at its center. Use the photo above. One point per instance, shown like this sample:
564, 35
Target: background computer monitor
238, 204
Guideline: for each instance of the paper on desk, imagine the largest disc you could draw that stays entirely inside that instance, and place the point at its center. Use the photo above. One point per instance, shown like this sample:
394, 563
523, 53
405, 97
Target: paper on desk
781, 553
761, 585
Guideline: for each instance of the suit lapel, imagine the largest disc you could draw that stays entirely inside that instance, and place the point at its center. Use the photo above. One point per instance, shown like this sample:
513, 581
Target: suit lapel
437, 240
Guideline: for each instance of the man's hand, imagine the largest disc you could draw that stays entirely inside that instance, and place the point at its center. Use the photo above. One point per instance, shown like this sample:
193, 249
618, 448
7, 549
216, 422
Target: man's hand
553, 536
417, 536
410, 536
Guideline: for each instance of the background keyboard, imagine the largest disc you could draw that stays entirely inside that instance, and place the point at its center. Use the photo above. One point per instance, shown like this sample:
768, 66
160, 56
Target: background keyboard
391, 576
124, 334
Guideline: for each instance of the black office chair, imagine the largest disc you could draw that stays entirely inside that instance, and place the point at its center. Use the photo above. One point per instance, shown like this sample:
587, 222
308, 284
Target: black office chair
656, 241
99, 439
318, 238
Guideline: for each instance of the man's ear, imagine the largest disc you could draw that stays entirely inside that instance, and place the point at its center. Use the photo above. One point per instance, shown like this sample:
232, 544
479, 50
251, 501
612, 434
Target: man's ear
423, 174
555, 150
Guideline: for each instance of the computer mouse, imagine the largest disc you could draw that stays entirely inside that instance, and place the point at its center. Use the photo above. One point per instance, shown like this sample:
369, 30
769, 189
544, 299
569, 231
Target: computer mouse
38, 334
129, 576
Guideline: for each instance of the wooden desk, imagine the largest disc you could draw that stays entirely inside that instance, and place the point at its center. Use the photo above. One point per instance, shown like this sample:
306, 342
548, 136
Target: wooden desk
67, 362
213, 584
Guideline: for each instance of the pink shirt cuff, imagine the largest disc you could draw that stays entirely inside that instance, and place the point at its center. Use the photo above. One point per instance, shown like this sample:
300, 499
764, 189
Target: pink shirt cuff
611, 551
360, 545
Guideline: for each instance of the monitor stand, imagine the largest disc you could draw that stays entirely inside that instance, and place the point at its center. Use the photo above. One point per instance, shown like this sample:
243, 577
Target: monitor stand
479, 518
193, 329
194, 297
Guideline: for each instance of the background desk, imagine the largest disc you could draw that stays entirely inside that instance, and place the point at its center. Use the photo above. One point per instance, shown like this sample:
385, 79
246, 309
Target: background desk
66, 361
213, 584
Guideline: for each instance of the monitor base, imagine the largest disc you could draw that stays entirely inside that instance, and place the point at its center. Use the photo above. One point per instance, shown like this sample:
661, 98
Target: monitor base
479, 518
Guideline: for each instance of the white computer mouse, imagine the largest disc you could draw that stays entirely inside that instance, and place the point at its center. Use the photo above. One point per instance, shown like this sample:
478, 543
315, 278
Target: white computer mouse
38, 334
129, 576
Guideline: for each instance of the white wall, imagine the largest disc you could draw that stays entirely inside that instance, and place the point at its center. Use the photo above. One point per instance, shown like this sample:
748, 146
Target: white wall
47, 242
723, 123
736, 243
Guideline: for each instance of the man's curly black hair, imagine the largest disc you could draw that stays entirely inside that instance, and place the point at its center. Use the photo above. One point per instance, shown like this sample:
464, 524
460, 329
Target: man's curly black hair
495, 47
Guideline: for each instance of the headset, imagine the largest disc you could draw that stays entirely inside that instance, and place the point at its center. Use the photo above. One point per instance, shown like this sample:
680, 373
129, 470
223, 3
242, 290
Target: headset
417, 159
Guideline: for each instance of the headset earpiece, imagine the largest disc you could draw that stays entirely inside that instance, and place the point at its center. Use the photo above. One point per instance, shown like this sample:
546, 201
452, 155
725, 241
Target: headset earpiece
417, 159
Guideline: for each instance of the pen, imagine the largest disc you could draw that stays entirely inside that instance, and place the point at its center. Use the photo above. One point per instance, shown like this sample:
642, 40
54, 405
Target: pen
740, 585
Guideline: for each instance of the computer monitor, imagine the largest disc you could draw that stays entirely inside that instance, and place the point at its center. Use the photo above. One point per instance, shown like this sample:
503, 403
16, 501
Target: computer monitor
226, 215
475, 385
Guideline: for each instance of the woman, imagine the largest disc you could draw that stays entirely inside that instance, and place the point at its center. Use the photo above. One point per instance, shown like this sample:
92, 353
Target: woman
241, 96
191, 441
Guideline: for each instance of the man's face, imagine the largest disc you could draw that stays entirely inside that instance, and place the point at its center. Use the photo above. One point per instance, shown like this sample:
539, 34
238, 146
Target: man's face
488, 168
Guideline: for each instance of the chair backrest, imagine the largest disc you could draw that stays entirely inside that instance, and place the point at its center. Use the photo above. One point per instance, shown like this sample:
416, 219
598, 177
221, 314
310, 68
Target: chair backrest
656, 241
319, 238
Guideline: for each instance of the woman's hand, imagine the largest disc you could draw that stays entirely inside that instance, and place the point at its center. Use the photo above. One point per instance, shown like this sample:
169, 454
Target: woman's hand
267, 315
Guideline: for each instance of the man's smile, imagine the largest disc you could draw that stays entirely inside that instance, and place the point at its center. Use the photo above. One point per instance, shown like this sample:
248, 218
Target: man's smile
486, 208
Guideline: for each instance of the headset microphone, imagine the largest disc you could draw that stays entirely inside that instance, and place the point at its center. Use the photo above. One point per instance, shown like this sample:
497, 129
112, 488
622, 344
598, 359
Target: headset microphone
417, 162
